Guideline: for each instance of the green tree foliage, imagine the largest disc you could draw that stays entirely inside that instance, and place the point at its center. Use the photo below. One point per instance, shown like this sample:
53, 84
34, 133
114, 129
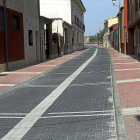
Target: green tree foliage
101, 34
93, 39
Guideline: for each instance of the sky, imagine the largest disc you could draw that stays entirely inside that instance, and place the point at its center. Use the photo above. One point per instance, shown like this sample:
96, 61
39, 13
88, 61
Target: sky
96, 12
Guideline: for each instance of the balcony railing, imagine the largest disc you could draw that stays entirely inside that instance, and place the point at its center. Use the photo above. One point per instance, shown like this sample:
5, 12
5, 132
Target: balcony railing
79, 23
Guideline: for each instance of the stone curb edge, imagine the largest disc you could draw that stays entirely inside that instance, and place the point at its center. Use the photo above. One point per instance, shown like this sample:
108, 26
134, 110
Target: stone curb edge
27, 81
120, 127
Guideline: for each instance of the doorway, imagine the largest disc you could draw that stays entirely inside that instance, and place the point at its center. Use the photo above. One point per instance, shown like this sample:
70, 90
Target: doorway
46, 38
65, 41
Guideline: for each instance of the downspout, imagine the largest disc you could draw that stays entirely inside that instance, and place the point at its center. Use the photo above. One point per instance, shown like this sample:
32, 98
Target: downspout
6, 43
40, 30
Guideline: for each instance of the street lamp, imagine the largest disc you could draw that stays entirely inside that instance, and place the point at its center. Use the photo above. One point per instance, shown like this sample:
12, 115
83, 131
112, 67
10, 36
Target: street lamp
114, 1
5, 26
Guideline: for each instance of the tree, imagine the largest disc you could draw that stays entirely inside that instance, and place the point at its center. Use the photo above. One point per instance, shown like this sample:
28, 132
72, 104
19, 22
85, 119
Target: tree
101, 34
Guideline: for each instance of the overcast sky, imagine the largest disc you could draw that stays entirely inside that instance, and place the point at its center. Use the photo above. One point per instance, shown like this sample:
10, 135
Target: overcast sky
96, 12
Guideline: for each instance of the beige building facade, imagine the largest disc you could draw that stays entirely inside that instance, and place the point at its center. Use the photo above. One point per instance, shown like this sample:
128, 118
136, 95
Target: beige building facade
107, 24
29, 11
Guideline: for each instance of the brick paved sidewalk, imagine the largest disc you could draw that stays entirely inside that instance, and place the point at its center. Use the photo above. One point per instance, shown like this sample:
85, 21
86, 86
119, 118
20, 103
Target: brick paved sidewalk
12, 78
127, 73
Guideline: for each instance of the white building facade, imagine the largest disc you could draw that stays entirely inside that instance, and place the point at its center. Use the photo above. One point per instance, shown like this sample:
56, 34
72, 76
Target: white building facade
72, 13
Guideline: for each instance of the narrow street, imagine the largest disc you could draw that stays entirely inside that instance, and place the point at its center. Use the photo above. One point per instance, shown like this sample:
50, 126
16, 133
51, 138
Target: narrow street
73, 101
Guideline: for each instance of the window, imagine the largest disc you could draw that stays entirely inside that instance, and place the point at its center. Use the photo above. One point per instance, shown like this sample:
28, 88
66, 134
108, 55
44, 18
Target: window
73, 35
72, 11
30, 33
135, 38
77, 37
1, 20
15, 22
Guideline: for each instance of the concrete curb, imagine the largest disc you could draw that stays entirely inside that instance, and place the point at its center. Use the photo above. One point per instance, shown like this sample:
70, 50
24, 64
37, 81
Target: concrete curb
120, 127
27, 81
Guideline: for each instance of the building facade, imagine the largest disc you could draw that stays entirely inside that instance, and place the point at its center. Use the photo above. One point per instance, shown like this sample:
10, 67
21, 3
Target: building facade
71, 24
22, 33
107, 26
132, 26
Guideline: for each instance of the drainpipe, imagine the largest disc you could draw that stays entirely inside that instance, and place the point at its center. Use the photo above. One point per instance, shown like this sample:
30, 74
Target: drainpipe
40, 30
120, 26
6, 43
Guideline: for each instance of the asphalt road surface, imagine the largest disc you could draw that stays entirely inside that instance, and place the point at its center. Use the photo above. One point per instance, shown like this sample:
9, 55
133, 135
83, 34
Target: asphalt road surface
71, 102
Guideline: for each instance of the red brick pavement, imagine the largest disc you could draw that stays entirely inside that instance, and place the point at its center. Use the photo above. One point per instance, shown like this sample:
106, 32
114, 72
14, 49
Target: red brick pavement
24, 74
129, 92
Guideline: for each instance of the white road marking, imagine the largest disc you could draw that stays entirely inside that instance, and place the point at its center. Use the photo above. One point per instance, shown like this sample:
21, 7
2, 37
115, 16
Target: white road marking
12, 114
67, 116
7, 85
30, 119
61, 73
82, 112
95, 72
126, 63
90, 84
126, 69
129, 80
40, 86
11, 118
131, 111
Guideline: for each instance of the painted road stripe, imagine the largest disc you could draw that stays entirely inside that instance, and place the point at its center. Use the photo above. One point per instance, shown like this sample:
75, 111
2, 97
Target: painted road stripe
126, 63
131, 111
82, 112
127, 81
40, 86
126, 69
7, 85
63, 116
30, 119
90, 84
11, 118
12, 114
68, 116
